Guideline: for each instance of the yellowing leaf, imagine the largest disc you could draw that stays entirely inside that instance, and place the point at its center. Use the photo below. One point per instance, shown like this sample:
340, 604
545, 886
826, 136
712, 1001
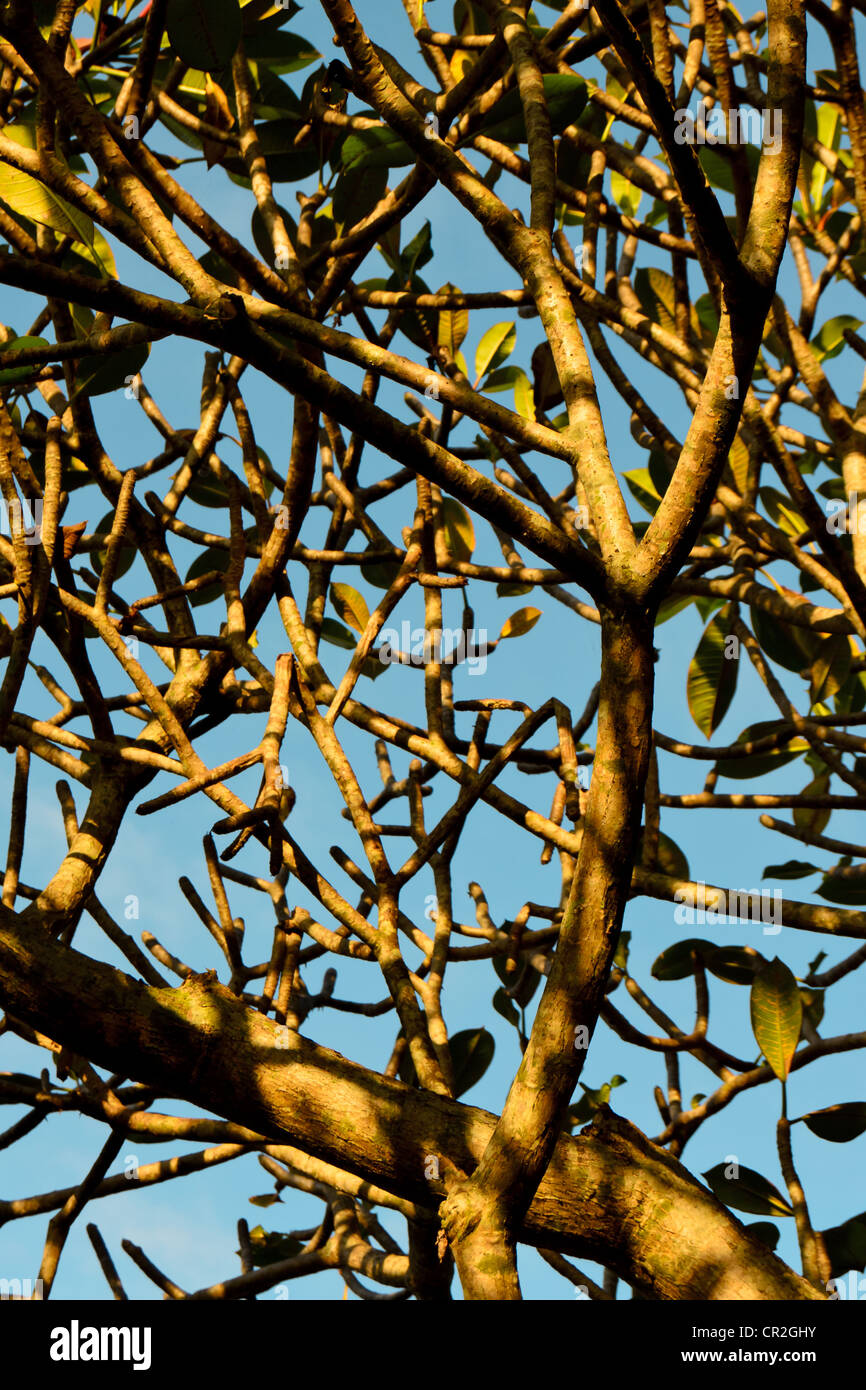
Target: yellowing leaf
813, 819
777, 1015
520, 622
524, 398
625, 195
98, 253
712, 677
350, 605
829, 135
830, 668
643, 489
738, 458
459, 530
32, 199
453, 323
461, 62
497, 344
655, 290
782, 511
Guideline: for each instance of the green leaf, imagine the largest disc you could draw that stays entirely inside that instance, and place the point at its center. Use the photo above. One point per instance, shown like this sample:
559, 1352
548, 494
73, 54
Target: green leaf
712, 678
350, 606
419, 250
747, 1192
626, 196
204, 33
676, 962
497, 344
787, 645
830, 669
852, 696
846, 890
207, 490
210, 559
669, 856
707, 607
670, 607
263, 242
716, 168
374, 148
9, 375
503, 379
838, 1123
661, 470
776, 1011
527, 975
565, 94
505, 589
620, 955
737, 965
380, 573
269, 1247
459, 531
419, 325
792, 868
127, 552
471, 1055
846, 1245
506, 1007
373, 668
813, 819
357, 193
708, 318
739, 769
95, 255
591, 1100
522, 621
765, 1232
655, 290
108, 371
276, 99
337, 635
830, 339
813, 1008
782, 511
267, 1199
280, 50
287, 163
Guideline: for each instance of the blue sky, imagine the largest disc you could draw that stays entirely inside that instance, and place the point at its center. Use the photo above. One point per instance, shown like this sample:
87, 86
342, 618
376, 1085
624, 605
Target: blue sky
190, 1231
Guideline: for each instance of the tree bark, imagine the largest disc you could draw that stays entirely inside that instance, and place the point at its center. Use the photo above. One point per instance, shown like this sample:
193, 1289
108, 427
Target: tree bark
607, 1195
480, 1215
